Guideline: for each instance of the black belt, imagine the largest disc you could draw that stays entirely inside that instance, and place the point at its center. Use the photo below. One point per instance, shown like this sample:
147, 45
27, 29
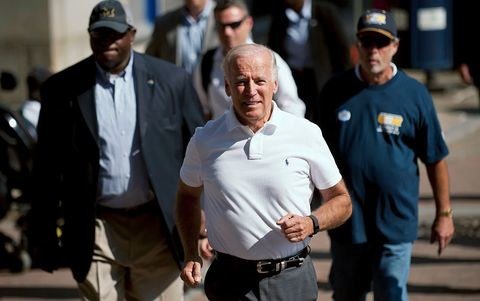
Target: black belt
130, 211
267, 266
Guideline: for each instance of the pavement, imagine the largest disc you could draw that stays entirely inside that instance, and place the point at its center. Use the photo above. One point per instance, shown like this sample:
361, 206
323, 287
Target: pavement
455, 275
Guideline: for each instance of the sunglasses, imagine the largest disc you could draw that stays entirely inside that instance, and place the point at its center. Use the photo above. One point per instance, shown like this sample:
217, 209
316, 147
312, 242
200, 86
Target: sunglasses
104, 33
374, 41
232, 25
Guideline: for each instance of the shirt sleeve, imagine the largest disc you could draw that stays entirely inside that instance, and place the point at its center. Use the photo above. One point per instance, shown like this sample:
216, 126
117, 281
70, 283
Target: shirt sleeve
190, 172
323, 168
430, 139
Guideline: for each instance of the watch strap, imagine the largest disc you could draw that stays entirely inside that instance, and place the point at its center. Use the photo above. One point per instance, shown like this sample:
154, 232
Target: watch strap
316, 226
446, 213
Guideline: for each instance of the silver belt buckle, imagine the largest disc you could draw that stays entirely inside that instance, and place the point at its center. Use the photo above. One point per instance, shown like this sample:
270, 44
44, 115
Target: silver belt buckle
260, 266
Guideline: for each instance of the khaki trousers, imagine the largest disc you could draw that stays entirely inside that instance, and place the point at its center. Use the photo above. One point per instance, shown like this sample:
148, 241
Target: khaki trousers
132, 260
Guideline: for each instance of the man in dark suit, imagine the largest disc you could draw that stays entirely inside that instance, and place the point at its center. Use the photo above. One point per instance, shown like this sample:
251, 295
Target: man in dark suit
110, 146
310, 37
182, 35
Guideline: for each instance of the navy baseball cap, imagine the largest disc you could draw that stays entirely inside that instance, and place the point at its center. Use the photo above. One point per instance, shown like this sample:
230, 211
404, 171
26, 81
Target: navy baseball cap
110, 14
377, 20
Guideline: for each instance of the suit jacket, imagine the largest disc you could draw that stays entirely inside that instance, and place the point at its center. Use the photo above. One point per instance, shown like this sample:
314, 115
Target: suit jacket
465, 49
67, 158
326, 38
165, 43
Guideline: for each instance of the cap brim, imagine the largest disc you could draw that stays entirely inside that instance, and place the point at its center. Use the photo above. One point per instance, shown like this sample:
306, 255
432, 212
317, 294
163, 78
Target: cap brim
377, 30
118, 27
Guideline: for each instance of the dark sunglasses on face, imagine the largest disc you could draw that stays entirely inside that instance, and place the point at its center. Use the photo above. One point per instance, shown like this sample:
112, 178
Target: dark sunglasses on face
103, 33
232, 25
374, 41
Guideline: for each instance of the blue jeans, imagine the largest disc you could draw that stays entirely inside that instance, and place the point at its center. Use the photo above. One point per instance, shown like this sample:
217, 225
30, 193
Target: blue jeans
356, 266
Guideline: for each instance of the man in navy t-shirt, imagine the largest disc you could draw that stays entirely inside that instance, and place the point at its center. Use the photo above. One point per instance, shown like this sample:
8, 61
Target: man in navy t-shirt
378, 122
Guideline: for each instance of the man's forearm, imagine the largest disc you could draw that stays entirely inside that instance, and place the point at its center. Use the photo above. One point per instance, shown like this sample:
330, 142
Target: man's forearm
439, 181
336, 208
187, 215
443, 227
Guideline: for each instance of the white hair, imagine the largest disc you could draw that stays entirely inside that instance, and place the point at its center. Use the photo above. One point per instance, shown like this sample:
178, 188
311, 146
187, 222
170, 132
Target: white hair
249, 50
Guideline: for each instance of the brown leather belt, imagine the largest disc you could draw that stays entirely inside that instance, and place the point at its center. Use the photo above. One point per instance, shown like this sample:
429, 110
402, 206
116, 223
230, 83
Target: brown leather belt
267, 266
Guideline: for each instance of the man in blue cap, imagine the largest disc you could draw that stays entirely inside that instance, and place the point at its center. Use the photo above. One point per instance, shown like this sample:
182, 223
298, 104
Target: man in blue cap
109, 152
378, 121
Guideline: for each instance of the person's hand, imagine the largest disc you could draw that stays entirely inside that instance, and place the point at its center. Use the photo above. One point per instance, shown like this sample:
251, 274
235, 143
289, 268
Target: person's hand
191, 273
442, 231
206, 250
295, 227
465, 74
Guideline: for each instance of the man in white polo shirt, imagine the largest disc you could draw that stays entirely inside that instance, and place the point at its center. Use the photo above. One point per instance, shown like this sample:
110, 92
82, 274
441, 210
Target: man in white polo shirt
257, 167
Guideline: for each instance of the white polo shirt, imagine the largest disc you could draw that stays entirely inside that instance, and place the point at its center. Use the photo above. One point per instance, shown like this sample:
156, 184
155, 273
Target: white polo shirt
250, 180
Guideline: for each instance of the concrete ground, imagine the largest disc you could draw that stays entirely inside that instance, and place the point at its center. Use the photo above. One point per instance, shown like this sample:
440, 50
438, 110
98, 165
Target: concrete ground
455, 275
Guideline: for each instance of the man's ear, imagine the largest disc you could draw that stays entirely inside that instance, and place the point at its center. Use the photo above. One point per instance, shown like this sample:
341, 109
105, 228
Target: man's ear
249, 22
132, 32
395, 46
227, 89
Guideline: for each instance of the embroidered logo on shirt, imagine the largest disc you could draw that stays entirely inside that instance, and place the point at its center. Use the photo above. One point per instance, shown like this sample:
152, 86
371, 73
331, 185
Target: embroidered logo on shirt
389, 123
344, 115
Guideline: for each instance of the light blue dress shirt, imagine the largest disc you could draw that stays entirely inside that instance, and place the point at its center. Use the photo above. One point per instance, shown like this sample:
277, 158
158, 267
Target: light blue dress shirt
191, 35
122, 180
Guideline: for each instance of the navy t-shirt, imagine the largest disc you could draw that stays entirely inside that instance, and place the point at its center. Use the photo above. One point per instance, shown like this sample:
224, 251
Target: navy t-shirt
376, 134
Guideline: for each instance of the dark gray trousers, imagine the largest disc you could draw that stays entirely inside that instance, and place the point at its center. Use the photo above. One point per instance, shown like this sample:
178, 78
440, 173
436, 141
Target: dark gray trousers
227, 282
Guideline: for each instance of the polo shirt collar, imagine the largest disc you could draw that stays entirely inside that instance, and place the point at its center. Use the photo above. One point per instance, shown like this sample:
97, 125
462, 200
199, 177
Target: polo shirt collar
269, 127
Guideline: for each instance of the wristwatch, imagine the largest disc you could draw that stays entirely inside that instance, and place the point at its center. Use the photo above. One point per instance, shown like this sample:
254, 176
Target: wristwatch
316, 227
203, 234
447, 213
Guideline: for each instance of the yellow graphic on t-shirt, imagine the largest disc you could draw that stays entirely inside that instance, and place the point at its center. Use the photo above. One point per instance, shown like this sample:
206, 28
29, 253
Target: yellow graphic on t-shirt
389, 123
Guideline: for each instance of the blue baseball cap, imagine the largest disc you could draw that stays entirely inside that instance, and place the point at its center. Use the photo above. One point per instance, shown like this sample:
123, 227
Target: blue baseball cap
110, 14
377, 20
